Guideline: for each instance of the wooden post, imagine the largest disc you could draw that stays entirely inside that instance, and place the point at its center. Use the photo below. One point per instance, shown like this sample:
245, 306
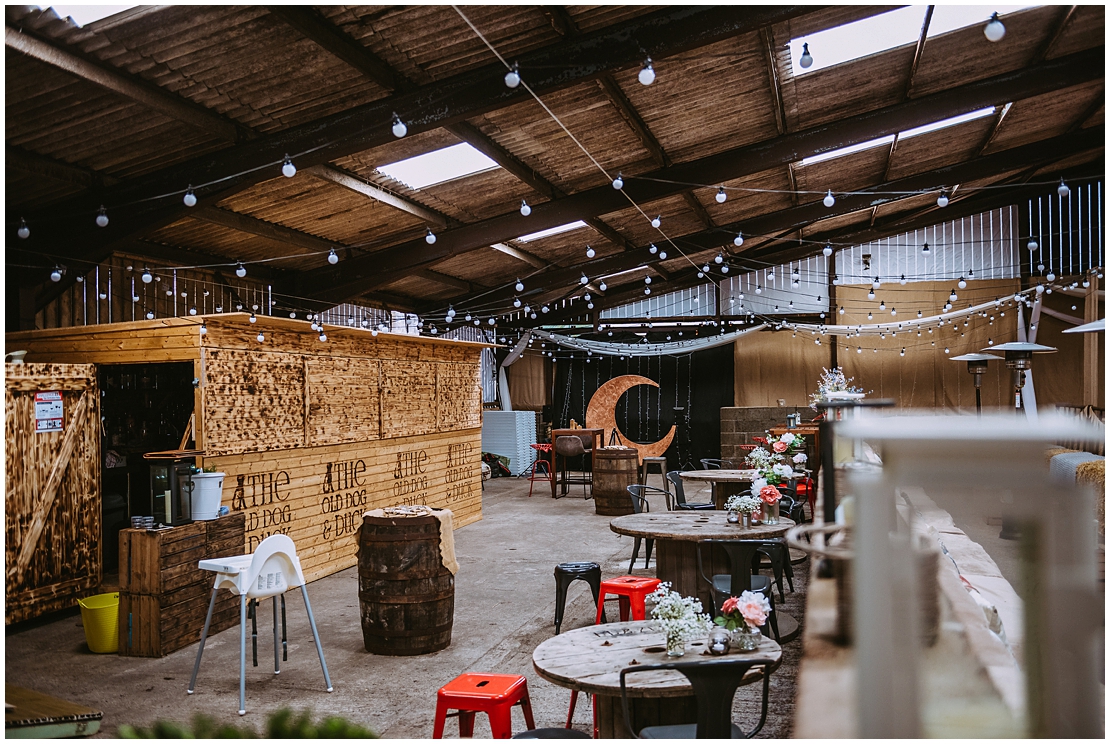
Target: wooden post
1090, 344
832, 310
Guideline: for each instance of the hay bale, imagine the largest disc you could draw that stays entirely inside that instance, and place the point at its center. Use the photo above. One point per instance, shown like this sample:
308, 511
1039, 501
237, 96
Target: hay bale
1093, 473
1053, 451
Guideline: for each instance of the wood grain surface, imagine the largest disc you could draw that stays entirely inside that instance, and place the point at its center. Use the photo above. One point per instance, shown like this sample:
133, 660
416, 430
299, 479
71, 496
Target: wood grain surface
693, 526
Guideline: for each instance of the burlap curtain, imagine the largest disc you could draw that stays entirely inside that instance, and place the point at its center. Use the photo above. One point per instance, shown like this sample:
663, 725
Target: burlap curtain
773, 366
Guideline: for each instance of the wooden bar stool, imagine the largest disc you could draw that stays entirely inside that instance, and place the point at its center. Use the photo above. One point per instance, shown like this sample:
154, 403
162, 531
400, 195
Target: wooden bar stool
645, 470
492, 694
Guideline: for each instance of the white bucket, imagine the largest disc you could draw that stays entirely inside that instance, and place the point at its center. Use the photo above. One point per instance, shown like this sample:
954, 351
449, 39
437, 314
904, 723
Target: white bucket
208, 491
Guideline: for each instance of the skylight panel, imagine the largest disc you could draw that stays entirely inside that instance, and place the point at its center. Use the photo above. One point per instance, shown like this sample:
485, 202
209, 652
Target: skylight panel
551, 231
440, 166
859, 38
888, 31
923, 129
950, 122
83, 15
848, 150
951, 17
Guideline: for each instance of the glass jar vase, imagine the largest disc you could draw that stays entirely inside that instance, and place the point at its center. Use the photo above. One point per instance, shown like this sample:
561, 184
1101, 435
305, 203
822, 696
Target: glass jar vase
676, 646
746, 638
770, 513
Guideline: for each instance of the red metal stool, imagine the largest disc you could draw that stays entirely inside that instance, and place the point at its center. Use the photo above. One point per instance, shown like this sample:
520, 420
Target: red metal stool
631, 591
540, 449
492, 694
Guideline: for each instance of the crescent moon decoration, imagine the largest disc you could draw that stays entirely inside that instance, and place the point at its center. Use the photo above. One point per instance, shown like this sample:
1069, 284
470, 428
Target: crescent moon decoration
601, 413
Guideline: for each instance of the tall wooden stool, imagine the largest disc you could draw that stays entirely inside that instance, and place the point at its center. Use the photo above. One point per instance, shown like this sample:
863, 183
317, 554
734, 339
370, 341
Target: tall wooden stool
645, 470
492, 694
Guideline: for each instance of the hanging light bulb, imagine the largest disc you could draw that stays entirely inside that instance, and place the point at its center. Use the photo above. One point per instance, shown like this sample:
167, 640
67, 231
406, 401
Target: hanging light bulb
323, 336
738, 240
399, 128
893, 311
994, 30
147, 277
952, 297
584, 280
945, 349
871, 295
603, 286
647, 290
150, 315
882, 305
1063, 190
829, 199
477, 322
203, 328
288, 169
724, 270
770, 275
721, 195
545, 309
524, 208
647, 73
102, 217
190, 198
589, 306
719, 258
758, 289
192, 310
240, 270
618, 182
647, 280
925, 249
519, 286
942, 200
859, 349
516, 302
1050, 276
962, 284
590, 252
56, 274
261, 337
469, 317
653, 249
1032, 245
253, 319
657, 221
869, 316
902, 280
836, 280
512, 77
662, 255
333, 259
827, 250
430, 237
806, 60
875, 283
23, 232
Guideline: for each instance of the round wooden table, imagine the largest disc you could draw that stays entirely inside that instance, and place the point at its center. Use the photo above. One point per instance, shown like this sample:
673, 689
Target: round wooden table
725, 483
590, 660
676, 535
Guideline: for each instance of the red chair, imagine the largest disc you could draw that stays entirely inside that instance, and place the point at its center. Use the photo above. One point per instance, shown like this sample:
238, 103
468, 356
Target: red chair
492, 694
807, 489
539, 464
631, 591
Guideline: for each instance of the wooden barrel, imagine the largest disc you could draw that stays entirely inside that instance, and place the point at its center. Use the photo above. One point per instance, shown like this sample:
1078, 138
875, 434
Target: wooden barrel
406, 595
614, 470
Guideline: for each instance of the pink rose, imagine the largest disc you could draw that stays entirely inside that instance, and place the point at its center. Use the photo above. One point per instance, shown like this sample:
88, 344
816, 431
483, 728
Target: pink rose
780, 447
770, 494
753, 611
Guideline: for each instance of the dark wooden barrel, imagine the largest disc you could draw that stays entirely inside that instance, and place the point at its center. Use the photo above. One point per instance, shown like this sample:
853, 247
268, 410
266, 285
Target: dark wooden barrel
614, 470
406, 595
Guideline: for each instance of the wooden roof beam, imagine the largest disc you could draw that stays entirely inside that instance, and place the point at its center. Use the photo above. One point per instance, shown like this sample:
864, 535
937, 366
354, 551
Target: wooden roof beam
129, 86
790, 220
389, 263
41, 165
908, 91
263, 229
346, 180
662, 33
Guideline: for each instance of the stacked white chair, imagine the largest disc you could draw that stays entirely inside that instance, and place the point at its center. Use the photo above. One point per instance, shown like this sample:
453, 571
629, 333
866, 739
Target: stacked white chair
270, 571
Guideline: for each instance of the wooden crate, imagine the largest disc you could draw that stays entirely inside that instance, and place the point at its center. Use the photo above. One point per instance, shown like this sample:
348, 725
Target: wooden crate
163, 595
52, 491
151, 626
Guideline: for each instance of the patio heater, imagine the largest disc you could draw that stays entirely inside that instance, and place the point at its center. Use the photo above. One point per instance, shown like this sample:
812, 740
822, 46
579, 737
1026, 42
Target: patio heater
977, 366
1019, 358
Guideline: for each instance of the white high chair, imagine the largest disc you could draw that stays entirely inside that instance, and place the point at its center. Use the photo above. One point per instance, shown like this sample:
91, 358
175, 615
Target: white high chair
270, 571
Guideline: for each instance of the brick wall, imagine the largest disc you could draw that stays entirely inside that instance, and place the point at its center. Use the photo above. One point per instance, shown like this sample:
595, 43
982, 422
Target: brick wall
739, 425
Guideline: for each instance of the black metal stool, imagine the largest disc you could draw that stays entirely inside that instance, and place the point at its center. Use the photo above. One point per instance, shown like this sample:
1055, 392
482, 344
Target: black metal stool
565, 573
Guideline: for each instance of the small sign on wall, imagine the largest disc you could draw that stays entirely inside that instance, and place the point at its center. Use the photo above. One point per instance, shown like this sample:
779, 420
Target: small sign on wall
49, 415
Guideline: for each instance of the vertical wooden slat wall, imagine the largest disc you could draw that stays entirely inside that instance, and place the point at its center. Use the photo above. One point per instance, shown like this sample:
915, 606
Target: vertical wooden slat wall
52, 491
311, 434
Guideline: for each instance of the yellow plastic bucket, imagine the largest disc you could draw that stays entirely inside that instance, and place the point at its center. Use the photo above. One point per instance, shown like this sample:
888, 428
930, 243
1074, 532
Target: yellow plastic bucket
100, 616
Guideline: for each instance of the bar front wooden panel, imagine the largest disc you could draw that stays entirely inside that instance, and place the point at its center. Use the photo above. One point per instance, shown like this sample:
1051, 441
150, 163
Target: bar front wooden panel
317, 495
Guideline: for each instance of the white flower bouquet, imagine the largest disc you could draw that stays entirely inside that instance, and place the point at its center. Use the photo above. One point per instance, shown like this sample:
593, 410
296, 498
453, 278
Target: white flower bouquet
743, 504
680, 617
831, 383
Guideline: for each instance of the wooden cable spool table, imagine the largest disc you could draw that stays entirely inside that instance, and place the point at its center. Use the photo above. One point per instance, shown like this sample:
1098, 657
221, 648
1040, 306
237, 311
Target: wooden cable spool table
725, 483
677, 535
590, 660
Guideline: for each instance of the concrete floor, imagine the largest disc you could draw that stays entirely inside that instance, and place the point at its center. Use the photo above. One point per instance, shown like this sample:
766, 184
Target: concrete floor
504, 607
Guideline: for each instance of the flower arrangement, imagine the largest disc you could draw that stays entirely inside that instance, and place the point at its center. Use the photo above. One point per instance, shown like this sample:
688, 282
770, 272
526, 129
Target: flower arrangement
743, 503
832, 381
749, 609
770, 495
681, 617
775, 461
